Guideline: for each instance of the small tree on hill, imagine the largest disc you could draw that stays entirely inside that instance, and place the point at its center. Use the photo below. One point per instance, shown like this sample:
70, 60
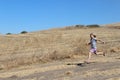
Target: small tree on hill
24, 32
8, 33
79, 26
93, 26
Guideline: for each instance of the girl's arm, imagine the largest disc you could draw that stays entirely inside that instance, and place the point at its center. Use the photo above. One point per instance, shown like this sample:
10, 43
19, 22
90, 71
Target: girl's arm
89, 43
100, 41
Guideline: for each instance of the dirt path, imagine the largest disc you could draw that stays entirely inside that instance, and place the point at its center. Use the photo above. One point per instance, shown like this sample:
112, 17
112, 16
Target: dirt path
107, 68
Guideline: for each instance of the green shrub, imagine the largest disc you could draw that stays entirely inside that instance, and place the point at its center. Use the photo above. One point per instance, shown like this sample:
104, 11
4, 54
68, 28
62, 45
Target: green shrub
93, 26
8, 33
79, 26
24, 32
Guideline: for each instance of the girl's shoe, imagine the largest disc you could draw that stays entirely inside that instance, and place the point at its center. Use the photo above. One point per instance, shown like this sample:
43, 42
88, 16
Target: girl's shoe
103, 53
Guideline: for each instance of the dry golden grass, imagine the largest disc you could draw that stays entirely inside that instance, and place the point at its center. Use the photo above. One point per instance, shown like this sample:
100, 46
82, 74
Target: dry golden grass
54, 44
115, 25
29, 71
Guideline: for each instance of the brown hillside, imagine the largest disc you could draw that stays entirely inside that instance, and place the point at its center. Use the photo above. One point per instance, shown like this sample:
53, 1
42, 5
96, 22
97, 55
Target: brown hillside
114, 25
56, 44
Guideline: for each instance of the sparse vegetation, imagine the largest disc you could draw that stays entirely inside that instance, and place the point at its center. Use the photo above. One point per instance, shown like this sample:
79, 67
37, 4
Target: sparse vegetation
8, 33
79, 26
73, 27
93, 26
45, 46
24, 32
114, 27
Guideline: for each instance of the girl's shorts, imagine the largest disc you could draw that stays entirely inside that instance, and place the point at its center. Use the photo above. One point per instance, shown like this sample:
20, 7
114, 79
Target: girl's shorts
93, 50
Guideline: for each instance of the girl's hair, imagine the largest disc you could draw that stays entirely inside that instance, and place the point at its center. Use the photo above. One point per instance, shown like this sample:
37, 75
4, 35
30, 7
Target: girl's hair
94, 36
91, 33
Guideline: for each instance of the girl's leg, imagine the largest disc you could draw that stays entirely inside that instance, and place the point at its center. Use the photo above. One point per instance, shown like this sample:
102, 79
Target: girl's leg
101, 53
89, 57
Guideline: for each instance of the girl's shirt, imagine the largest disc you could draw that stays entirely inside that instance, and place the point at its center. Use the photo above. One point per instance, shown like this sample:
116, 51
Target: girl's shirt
93, 42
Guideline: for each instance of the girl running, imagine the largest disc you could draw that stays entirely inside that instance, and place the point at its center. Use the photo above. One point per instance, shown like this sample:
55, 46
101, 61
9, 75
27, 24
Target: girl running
93, 45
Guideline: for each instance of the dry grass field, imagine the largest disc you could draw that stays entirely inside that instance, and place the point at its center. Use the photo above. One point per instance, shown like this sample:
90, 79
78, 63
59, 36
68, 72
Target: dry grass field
47, 46
44, 46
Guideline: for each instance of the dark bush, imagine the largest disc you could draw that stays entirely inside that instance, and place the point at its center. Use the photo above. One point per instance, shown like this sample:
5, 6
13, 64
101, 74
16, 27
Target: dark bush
93, 26
24, 32
8, 33
74, 27
79, 26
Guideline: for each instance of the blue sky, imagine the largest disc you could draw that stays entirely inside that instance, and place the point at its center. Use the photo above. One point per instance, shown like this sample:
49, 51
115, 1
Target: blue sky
35, 15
